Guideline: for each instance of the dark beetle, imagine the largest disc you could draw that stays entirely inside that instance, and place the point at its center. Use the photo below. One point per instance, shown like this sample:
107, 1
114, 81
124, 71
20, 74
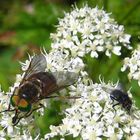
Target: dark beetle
121, 98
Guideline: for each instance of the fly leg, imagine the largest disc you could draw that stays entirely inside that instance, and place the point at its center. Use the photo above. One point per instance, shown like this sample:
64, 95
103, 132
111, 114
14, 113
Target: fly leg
8, 110
63, 97
17, 121
29, 113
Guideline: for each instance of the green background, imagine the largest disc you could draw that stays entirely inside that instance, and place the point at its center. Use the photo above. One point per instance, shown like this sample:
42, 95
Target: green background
25, 26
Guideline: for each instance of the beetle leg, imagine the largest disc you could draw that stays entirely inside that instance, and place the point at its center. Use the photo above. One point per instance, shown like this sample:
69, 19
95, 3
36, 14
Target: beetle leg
112, 98
113, 106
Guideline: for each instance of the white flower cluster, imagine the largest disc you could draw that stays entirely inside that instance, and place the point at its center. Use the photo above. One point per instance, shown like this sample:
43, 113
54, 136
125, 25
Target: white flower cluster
133, 64
90, 117
60, 61
89, 30
93, 118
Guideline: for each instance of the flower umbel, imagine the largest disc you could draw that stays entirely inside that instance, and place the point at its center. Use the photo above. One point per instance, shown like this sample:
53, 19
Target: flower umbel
89, 30
133, 64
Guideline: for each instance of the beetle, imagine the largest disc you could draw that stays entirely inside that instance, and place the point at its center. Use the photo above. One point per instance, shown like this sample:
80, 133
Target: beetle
121, 98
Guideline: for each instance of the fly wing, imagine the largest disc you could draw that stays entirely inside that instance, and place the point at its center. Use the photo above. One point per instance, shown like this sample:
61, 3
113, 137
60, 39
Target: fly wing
56, 81
37, 64
65, 78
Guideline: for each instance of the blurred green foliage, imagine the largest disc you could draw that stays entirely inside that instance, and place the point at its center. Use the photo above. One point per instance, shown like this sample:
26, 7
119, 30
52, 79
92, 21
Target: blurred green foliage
25, 26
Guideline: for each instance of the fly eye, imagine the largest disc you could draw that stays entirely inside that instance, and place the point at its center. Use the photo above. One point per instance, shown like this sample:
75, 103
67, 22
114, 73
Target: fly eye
14, 100
24, 106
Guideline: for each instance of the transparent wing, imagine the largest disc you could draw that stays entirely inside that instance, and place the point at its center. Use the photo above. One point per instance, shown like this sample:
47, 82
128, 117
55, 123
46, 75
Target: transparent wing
65, 78
56, 81
37, 64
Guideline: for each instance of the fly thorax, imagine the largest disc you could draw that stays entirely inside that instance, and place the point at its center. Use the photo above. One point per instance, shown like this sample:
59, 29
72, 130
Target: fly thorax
29, 91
